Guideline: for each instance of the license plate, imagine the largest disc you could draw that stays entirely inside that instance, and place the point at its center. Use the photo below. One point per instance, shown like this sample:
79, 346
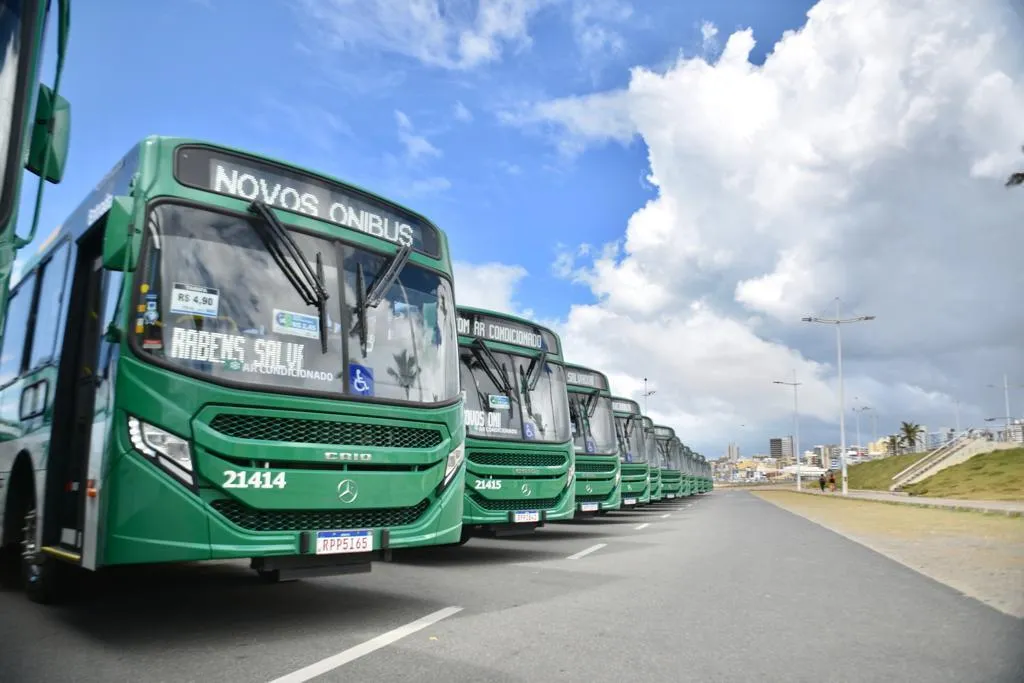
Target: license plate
629, 501
671, 495
588, 507
521, 516
338, 542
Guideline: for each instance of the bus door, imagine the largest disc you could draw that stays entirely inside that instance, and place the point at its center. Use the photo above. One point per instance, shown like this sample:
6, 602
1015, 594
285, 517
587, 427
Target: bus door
80, 421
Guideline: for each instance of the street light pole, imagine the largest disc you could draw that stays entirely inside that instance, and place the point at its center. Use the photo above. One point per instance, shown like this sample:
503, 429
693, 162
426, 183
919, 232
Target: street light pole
646, 394
858, 410
1006, 400
796, 424
838, 321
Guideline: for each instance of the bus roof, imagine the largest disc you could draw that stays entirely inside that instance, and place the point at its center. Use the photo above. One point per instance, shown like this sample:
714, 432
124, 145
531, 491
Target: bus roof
663, 432
469, 315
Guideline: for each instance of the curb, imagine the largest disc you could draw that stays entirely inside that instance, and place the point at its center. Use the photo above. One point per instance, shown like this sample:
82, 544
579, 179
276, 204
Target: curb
925, 504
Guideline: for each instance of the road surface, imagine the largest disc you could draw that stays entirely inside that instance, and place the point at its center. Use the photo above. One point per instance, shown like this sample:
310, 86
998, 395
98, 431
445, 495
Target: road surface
723, 588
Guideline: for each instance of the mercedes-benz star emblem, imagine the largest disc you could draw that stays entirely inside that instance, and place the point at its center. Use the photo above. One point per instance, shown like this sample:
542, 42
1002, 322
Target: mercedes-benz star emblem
347, 491
525, 488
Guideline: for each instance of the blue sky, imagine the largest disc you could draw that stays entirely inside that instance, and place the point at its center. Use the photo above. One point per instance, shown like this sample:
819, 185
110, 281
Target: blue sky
254, 75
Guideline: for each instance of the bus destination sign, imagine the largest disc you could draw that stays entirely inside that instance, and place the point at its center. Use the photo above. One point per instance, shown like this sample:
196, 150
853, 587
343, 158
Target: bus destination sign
291, 190
582, 378
492, 328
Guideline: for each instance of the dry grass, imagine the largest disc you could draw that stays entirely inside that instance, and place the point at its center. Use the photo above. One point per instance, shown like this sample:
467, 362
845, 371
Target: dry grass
978, 554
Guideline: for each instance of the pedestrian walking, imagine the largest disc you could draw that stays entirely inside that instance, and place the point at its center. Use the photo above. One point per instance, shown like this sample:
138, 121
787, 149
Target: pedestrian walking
821, 481
832, 482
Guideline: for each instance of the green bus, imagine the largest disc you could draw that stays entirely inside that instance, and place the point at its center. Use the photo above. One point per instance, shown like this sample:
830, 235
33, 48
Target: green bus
688, 468
519, 453
653, 459
41, 147
629, 433
705, 477
677, 465
593, 429
671, 478
177, 385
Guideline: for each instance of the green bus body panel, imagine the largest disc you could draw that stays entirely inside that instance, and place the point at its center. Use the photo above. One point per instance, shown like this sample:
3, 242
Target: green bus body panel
636, 482
147, 515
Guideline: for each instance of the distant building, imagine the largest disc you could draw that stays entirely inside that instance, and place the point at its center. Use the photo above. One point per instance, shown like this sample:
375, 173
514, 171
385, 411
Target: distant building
734, 452
781, 448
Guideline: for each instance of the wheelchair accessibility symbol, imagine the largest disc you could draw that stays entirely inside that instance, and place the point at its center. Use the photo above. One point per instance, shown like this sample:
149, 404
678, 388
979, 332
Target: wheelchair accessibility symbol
360, 379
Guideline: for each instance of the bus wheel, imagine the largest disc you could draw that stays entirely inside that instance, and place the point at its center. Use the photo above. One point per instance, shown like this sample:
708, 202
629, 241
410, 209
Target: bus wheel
45, 579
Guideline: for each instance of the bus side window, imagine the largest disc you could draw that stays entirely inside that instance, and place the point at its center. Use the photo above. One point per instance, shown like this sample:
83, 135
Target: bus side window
50, 311
12, 353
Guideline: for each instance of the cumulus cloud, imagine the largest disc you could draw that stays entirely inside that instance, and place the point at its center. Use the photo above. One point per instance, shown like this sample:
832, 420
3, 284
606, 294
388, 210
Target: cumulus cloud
416, 146
865, 160
450, 34
489, 285
462, 112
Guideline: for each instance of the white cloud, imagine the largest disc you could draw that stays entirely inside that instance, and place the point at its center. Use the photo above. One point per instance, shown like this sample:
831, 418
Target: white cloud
416, 146
462, 113
451, 34
488, 285
865, 159
432, 185
592, 22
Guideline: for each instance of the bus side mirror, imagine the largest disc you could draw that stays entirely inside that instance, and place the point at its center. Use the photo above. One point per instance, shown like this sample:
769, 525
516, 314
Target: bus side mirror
118, 254
51, 135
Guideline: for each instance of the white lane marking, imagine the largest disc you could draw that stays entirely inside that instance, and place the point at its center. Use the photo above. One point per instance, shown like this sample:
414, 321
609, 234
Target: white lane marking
355, 652
666, 515
584, 553
642, 526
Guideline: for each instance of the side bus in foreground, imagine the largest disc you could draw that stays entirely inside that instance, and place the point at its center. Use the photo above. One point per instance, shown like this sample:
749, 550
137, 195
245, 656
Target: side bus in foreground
519, 452
629, 431
593, 435
35, 121
223, 356
671, 477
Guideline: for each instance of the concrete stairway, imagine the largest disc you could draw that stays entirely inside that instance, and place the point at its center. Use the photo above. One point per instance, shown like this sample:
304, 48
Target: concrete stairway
962, 448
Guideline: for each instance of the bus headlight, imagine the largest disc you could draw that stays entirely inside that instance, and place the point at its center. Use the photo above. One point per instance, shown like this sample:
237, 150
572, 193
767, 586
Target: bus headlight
170, 452
572, 473
454, 460
618, 476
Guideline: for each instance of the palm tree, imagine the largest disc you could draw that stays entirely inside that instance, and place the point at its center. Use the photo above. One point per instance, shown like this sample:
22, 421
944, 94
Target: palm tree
1016, 178
893, 444
910, 433
407, 372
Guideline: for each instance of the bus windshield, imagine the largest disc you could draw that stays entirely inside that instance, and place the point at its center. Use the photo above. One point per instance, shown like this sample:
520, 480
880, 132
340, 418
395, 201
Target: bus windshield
630, 431
212, 301
650, 444
498, 394
593, 426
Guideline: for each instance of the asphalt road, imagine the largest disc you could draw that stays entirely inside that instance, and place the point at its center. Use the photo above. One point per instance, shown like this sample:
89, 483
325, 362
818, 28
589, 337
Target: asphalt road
723, 588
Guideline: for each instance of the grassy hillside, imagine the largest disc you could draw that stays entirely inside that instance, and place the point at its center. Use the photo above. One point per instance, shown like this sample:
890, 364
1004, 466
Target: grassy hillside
877, 475
991, 476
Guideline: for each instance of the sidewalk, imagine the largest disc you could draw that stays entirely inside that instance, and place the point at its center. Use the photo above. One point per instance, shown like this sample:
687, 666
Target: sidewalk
994, 507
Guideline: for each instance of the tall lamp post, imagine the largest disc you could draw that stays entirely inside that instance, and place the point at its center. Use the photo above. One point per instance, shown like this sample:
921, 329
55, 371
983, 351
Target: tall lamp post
839, 321
796, 424
858, 410
652, 392
1006, 399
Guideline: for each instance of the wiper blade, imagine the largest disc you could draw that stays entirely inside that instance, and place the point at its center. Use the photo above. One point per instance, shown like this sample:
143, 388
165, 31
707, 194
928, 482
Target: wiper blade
537, 364
366, 299
387, 277
591, 402
492, 368
292, 262
361, 308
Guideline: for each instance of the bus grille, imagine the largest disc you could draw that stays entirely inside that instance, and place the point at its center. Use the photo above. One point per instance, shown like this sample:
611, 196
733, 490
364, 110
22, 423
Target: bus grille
312, 520
528, 504
600, 467
594, 498
299, 430
517, 459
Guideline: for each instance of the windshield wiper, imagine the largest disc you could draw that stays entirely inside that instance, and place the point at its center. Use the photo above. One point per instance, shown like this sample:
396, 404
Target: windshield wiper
497, 374
292, 262
536, 364
366, 299
591, 401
